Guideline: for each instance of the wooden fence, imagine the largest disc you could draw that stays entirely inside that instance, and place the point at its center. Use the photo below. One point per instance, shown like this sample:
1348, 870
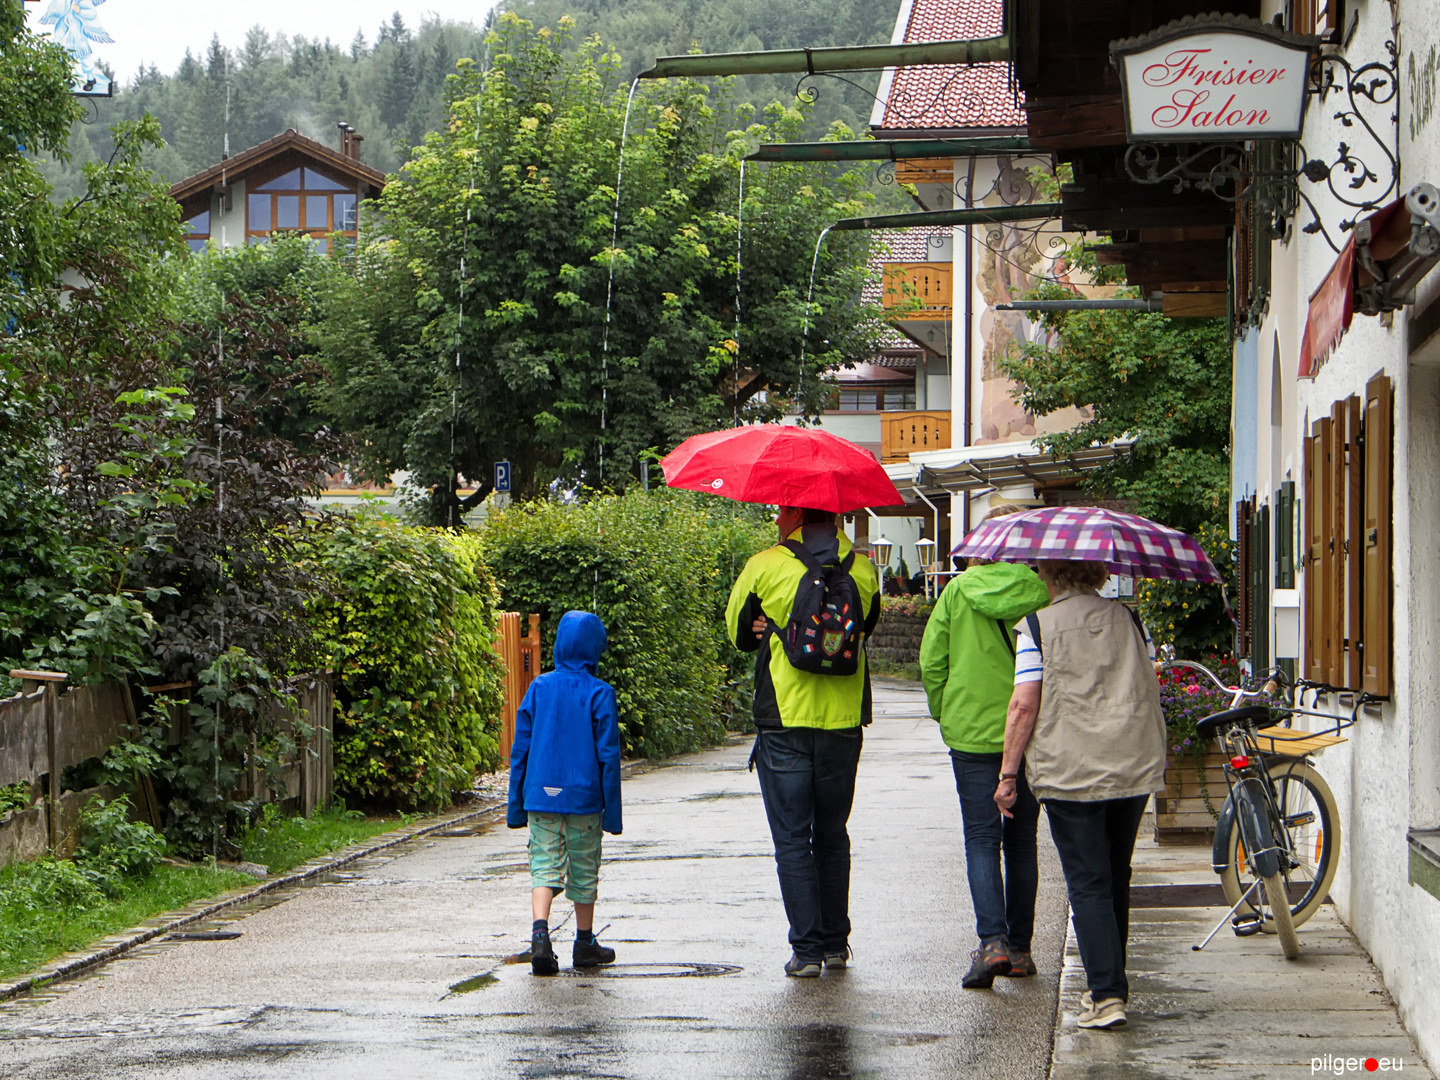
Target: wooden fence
44, 731
521, 657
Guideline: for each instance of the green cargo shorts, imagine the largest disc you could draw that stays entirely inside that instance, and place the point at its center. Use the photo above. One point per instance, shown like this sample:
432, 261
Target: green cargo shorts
565, 854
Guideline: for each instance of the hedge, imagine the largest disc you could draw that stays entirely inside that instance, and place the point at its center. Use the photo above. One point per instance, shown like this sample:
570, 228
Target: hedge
419, 686
657, 568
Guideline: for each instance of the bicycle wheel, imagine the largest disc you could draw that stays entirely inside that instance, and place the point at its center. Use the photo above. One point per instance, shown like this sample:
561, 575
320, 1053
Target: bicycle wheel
1312, 824
1284, 927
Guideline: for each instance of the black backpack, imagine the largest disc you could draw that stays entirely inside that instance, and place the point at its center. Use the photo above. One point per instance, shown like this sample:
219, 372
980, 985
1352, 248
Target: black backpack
826, 627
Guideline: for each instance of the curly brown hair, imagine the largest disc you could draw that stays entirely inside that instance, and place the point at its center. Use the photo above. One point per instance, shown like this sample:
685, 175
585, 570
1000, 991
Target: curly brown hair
1073, 574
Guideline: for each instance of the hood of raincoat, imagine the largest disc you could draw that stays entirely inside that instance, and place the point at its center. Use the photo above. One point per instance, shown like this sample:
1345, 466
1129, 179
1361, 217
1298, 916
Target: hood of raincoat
1007, 591
579, 642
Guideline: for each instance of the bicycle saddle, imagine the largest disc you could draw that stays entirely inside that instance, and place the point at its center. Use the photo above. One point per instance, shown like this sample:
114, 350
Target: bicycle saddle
1211, 726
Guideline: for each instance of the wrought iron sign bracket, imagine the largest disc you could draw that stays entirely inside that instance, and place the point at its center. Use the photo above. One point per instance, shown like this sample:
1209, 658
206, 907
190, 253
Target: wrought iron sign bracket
1263, 178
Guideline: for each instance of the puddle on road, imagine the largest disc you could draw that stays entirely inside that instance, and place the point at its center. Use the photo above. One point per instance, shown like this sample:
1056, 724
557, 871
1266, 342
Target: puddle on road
711, 796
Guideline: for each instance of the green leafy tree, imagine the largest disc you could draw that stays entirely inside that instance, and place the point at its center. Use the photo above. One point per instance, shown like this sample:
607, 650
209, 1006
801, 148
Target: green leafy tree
1163, 382
508, 216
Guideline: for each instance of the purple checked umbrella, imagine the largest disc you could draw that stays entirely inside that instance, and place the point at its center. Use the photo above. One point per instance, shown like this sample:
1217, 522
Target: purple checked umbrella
1126, 543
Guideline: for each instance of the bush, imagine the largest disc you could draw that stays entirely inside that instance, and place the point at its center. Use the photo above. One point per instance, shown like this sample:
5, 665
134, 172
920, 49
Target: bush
419, 686
113, 847
1192, 617
657, 568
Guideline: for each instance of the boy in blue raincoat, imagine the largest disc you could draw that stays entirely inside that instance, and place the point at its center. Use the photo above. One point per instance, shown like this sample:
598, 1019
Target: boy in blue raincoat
565, 784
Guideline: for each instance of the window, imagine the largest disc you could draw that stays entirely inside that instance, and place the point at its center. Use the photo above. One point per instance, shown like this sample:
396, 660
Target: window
197, 231
874, 399
1252, 526
1319, 17
301, 200
1346, 511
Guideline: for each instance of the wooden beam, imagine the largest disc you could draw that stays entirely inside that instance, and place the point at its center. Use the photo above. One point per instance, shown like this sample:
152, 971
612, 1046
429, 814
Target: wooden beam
1196, 304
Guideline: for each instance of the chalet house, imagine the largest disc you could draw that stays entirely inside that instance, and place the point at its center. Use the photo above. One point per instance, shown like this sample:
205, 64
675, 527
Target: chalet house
290, 184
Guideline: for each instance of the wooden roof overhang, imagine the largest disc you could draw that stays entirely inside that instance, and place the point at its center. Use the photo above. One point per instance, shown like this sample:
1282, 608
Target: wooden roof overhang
269, 159
1177, 242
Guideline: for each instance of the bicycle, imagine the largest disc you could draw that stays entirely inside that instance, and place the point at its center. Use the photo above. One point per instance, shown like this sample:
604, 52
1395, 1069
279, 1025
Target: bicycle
1277, 839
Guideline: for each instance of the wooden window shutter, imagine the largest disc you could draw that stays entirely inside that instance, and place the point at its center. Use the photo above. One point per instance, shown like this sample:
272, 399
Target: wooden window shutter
1319, 554
1309, 554
1243, 556
1258, 588
1335, 578
1379, 496
1354, 545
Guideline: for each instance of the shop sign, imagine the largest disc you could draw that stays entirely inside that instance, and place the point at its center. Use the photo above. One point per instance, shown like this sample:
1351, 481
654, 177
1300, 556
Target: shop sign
1184, 83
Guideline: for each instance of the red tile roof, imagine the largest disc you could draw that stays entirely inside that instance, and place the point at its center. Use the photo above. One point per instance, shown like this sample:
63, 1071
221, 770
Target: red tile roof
952, 96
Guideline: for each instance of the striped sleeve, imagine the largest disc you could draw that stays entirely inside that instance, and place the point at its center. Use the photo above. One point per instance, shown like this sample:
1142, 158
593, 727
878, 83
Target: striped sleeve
1028, 663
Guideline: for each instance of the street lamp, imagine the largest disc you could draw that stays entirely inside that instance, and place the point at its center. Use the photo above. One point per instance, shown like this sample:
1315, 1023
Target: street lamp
925, 556
881, 548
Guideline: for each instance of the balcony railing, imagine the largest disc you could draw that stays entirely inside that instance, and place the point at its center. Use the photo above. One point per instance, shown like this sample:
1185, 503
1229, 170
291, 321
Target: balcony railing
905, 433
918, 290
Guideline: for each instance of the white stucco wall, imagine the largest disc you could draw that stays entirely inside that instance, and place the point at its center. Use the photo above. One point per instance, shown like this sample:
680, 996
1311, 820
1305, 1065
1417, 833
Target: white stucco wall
1385, 778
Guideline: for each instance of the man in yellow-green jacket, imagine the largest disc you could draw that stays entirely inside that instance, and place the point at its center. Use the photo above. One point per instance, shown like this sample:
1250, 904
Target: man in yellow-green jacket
807, 748
967, 662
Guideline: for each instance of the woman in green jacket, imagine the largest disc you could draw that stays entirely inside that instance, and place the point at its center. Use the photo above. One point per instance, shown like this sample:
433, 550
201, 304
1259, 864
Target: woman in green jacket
967, 662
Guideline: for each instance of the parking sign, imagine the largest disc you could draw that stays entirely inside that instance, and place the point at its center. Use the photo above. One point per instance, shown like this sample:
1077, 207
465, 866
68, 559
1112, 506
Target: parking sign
502, 476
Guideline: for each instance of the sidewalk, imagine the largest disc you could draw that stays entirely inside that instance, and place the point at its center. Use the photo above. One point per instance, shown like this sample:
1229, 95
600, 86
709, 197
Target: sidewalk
1237, 1009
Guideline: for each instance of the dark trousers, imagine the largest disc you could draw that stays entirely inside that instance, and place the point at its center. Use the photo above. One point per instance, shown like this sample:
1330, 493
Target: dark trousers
1004, 906
1095, 841
807, 778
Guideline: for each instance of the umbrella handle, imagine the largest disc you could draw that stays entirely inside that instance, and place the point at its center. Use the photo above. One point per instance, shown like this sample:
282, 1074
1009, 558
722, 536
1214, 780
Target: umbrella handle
1229, 612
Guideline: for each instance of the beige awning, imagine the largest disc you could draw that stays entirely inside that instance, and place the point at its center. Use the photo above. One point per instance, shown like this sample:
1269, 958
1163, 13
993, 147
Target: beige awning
976, 469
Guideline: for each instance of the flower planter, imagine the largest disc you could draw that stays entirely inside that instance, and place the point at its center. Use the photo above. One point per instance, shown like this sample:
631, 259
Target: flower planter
1181, 813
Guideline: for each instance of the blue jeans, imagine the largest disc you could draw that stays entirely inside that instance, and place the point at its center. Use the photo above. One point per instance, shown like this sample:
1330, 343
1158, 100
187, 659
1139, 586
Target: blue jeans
807, 779
1095, 841
1004, 907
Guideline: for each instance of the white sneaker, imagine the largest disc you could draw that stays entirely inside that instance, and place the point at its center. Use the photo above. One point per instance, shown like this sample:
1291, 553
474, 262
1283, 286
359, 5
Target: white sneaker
1109, 1013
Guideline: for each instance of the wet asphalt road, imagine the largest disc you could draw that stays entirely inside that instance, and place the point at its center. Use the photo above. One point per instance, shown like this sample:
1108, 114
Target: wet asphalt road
397, 966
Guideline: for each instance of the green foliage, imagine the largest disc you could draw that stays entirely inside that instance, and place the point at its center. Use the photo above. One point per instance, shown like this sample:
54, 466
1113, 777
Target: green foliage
908, 604
508, 213
419, 686
1192, 617
15, 797
50, 907
1163, 382
656, 567
112, 846
279, 843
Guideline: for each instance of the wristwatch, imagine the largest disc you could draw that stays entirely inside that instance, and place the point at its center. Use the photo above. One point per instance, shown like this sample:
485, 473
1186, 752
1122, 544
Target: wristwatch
1009, 776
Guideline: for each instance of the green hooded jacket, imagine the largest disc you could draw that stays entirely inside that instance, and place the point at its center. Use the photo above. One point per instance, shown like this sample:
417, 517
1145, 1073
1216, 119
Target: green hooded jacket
966, 659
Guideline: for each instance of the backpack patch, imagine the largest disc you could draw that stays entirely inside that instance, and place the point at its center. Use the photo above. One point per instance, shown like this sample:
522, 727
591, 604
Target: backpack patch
825, 631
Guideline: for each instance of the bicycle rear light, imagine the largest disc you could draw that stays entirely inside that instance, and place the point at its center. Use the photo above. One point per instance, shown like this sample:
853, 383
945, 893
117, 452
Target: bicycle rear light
1239, 761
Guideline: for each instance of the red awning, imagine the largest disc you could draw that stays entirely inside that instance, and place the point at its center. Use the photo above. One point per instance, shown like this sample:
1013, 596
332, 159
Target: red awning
1332, 306
1386, 232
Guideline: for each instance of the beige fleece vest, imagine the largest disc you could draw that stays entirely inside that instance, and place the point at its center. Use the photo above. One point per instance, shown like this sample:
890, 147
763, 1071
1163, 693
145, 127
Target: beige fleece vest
1100, 733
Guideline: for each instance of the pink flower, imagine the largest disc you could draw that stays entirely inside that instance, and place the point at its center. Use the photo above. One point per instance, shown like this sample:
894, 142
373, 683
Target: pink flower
1192, 689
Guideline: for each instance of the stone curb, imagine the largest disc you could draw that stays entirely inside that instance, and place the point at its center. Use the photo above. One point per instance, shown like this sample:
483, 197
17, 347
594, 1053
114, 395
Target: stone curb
78, 965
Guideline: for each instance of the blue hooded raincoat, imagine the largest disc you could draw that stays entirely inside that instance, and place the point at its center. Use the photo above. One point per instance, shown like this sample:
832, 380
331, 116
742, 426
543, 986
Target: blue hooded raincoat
566, 755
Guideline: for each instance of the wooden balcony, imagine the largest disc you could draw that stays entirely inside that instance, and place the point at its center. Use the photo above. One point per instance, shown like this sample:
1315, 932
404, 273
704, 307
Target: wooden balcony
918, 290
905, 433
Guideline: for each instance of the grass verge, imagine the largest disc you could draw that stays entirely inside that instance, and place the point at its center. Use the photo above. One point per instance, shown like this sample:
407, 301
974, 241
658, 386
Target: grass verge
37, 925
889, 669
48, 908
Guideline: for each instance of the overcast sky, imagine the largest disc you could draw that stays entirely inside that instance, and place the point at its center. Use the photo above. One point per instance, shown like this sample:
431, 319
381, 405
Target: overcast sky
159, 31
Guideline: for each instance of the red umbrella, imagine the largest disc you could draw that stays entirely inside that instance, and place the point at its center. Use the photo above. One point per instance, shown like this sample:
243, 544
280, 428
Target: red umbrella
786, 466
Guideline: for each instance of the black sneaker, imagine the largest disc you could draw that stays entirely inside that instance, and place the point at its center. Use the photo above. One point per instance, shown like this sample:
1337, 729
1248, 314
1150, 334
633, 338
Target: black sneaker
802, 969
837, 961
542, 954
591, 954
1021, 964
987, 962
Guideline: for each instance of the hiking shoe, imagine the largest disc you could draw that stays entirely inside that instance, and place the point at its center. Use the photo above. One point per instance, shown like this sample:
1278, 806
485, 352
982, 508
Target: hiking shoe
542, 954
591, 954
1109, 1013
1021, 963
987, 962
837, 961
802, 969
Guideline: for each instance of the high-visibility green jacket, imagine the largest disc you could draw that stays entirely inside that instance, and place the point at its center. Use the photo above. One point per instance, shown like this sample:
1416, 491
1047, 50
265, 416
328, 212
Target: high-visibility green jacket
784, 695
967, 658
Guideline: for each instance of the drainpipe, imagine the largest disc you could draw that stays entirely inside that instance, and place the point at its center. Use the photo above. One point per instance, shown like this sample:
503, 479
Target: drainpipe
991, 50
890, 149
979, 215
967, 418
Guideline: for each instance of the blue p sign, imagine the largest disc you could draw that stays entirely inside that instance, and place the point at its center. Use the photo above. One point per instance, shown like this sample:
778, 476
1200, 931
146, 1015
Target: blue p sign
502, 476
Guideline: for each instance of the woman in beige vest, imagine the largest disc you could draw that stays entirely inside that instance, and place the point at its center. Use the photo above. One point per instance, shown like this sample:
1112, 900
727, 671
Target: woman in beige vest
1085, 716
